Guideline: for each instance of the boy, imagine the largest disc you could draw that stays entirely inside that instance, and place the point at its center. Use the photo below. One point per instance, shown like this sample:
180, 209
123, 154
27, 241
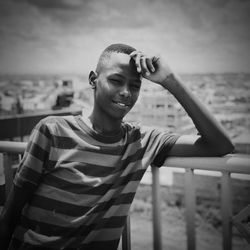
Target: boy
79, 175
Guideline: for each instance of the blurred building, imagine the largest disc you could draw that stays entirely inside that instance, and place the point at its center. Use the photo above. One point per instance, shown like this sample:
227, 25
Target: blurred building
161, 110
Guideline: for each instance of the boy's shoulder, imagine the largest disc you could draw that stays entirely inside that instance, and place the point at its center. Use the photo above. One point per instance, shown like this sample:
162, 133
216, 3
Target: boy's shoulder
56, 120
135, 126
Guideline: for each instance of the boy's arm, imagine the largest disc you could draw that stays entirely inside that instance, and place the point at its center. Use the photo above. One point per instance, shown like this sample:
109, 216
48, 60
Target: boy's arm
212, 139
10, 215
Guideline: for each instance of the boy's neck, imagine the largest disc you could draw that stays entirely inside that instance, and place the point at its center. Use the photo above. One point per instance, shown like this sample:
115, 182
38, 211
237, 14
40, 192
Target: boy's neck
104, 125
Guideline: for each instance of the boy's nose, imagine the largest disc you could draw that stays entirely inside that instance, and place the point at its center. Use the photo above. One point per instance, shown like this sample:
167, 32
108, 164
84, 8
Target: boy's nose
125, 92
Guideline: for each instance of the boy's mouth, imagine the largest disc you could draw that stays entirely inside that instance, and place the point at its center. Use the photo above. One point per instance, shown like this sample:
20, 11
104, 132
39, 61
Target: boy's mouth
122, 104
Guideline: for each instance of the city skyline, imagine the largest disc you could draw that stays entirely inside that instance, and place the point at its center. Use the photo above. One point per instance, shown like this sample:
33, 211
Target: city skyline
67, 36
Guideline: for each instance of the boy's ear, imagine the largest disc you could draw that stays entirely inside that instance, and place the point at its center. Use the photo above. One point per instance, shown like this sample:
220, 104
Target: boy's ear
92, 79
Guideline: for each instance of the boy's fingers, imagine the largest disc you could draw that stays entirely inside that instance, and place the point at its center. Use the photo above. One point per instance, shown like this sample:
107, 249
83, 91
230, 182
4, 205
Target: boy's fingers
143, 63
144, 66
132, 54
150, 64
138, 62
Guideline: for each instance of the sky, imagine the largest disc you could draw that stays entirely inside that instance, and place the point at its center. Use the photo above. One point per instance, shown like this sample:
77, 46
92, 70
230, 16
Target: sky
67, 36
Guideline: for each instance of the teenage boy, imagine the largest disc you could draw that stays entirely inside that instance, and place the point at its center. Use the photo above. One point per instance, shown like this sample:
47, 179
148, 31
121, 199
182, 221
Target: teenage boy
79, 175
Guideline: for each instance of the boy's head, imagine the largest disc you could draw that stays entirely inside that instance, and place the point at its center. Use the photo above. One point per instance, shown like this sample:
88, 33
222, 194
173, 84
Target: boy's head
116, 82
113, 48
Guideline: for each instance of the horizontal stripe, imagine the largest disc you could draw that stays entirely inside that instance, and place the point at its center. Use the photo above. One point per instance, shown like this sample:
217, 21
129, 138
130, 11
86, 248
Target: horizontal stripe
121, 199
62, 220
25, 184
121, 210
29, 175
31, 163
79, 175
76, 210
136, 165
63, 142
110, 245
76, 155
86, 199
42, 135
33, 240
105, 150
58, 219
38, 152
33, 237
34, 163
116, 192
83, 184
101, 189
105, 234
47, 229
133, 158
58, 206
124, 180
134, 146
95, 160
94, 170
81, 199
19, 244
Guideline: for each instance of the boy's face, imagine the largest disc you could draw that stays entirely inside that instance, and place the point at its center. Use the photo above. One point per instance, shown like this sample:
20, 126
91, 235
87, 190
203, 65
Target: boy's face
117, 85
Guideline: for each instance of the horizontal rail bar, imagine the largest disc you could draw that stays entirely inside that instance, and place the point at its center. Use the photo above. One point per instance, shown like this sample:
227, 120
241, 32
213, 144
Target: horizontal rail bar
232, 163
12, 147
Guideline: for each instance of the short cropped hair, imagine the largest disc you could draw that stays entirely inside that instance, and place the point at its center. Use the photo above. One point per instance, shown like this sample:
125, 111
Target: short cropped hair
113, 48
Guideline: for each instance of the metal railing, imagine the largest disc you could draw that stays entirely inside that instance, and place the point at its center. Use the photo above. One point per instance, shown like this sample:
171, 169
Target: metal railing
234, 163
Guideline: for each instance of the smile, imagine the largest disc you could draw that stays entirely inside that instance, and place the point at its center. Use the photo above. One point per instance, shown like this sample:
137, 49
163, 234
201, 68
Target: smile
121, 104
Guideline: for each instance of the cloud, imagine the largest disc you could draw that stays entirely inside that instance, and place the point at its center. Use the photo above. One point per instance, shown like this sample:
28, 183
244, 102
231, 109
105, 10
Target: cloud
204, 31
55, 4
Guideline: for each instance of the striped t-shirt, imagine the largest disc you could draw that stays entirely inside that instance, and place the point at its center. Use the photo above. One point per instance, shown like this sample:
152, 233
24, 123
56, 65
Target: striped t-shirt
83, 182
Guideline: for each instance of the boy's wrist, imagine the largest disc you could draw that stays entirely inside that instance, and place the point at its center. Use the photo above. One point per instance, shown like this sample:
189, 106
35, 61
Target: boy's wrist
171, 83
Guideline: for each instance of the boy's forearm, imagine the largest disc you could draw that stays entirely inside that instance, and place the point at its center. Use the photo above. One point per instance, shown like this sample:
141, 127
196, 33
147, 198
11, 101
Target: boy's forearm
210, 130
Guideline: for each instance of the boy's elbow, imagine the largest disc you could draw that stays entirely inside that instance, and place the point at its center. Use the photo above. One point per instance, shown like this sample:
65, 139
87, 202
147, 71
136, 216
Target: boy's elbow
226, 148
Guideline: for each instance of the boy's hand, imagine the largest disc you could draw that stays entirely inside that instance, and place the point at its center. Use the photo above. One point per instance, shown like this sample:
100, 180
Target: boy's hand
153, 68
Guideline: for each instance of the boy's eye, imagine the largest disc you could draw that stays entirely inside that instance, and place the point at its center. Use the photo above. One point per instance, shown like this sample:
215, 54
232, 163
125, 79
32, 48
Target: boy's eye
115, 80
135, 86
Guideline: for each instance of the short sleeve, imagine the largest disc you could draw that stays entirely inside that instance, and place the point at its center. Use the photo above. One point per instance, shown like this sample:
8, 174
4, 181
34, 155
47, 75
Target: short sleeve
33, 163
167, 142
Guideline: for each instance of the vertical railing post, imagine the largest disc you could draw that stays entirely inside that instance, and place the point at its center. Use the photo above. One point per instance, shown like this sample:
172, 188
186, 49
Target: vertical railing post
126, 236
8, 173
226, 210
2, 181
157, 237
190, 208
